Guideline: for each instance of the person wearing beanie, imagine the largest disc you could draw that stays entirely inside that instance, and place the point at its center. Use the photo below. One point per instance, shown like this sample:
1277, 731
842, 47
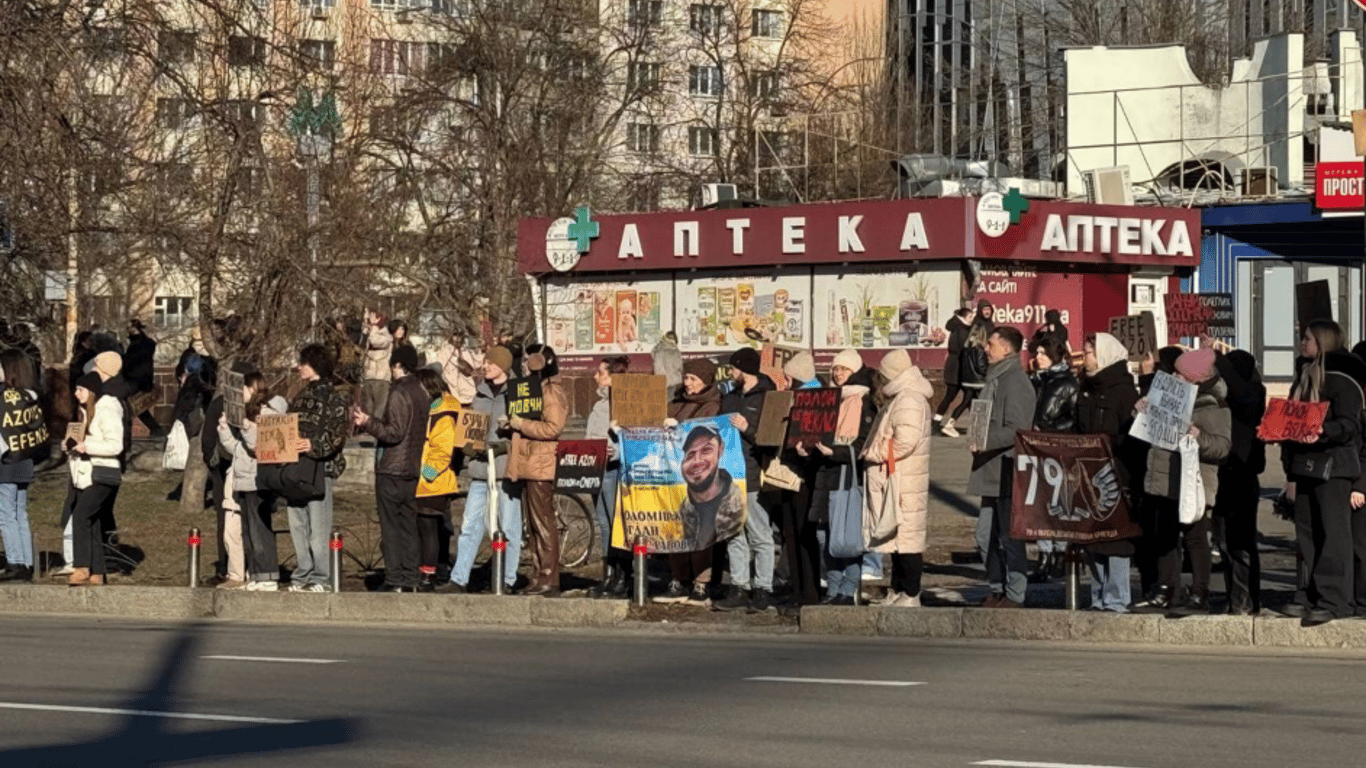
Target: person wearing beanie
95, 473
533, 462
1013, 402
696, 398
800, 552
802, 370
401, 433
849, 360
751, 552
1212, 428
106, 364
109, 366
379, 344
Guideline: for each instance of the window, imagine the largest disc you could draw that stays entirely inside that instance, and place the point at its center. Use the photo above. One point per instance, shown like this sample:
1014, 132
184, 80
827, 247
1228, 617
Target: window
703, 141
245, 114
645, 13
248, 182
643, 194
106, 42
642, 76
766, 24
763, 85
457, 8
318, 6
173, 312
246, 51
642, 137
442, 57
704, 19
704, 80
318, 55
174, 114
393, 5
175, 47
102, 176
396, 57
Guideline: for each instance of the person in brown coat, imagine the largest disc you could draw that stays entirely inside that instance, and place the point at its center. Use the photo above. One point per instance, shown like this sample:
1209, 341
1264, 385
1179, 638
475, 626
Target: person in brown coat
697, 398
899, 443
532, 462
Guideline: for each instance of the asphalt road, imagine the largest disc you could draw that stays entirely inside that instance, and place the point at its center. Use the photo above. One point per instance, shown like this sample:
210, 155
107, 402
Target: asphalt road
416, 697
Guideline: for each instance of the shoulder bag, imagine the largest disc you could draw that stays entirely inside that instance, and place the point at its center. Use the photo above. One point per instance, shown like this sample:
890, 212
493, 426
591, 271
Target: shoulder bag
880, 521
846, 512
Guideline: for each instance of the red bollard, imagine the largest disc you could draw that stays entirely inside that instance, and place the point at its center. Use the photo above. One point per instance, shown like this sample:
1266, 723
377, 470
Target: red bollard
194, 541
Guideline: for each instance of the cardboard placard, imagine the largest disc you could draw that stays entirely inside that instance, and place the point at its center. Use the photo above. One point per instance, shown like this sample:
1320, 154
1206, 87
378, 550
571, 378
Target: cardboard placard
75, 432
1191, 315
579, 465
1293, 420
639, 400
773, 419
277, 435
1313, 301
979, 423
143, 402
1138, 334
525, 399
813, 417
231, 389
1066, 488
472, 429
772, 358
1168, 415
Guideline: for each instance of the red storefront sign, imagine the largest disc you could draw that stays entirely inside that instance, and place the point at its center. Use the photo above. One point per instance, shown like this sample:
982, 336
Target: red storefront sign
1338, 186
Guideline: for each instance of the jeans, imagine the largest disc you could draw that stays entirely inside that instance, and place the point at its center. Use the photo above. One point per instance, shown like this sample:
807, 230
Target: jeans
258, 536
756, 543
476, 523
1110, 584
603, 508
1006, 560
310, 527
68, 543
14, 525
986, 521
841, 573
872, 564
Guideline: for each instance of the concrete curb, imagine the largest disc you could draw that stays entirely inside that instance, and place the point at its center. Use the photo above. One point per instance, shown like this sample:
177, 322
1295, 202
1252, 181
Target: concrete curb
1080, 627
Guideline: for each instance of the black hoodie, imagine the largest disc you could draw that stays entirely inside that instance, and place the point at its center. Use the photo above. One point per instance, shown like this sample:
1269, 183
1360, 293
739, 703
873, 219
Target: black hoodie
750, 405
1342, 427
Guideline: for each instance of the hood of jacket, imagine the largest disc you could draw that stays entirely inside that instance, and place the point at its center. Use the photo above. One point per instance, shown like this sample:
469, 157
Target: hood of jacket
910, 381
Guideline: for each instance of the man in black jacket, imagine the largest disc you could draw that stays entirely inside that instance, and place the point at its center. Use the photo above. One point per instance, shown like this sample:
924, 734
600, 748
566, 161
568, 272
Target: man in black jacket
139, 369
323, 430
754, 547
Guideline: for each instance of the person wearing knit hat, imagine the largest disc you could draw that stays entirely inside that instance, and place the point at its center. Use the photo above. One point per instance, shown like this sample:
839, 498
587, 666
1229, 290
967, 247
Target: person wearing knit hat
894, 363
802, 368
703, 370
696, 398
746, 361
750, 553
849, 359
404, 356
500, 357
532, 460
92, 382
95, 467
107, 365
1196, 365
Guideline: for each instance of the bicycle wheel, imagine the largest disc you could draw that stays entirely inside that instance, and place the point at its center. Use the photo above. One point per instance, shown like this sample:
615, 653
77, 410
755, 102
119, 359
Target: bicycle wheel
575, 521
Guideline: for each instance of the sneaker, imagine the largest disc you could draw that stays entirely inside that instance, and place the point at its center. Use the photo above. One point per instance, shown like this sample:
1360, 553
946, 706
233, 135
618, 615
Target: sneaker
736, 599
676, 593
451, 588
313, 588
295, 587
762, 602
699, 595
947, 430
231, 584
63, 571
903, 600
263, 586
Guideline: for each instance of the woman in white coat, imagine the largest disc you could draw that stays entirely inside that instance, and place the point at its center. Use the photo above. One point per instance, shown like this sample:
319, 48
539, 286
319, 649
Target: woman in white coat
95, 473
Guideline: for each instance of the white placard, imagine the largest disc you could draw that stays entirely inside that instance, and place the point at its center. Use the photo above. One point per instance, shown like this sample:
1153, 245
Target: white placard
1168, 415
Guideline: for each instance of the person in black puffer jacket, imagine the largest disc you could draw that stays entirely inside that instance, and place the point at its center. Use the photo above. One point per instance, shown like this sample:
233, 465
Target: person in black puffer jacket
957, 326
972, 367
1055, 387
1320, 474
1235, 506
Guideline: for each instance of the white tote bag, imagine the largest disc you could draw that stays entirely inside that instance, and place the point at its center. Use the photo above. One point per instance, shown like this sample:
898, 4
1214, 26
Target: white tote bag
177, 448
880, 520
1192, 495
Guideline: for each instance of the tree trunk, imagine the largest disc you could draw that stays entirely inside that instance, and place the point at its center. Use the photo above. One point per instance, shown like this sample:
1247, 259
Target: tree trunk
193, 481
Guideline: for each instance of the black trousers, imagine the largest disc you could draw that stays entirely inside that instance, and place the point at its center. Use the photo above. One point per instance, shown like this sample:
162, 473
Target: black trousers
1323, 536
216, 481
1170, 538
801, 548
258, 536
396, 499
429, 541
1235, 528
950, 393
906, 572
969, 394
1359, 558
87, 528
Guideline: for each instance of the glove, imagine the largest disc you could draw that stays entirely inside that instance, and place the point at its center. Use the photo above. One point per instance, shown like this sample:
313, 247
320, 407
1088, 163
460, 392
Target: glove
671, 423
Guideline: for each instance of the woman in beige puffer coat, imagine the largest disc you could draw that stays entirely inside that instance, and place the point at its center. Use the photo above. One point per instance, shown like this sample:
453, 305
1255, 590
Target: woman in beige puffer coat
900, 439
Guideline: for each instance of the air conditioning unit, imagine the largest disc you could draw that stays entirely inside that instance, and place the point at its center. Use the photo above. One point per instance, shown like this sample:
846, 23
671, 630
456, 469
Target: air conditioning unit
1260, 181
1109, 186
717, 193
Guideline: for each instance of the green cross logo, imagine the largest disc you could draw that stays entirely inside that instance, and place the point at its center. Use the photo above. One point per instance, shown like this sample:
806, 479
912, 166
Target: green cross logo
583, 229
306, 117
1016, 204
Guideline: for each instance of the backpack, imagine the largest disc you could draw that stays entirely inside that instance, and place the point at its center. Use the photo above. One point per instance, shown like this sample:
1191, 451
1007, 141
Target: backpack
22, 426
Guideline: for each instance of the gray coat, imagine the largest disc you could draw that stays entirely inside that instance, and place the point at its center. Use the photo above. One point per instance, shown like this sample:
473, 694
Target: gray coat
485, 402
1211, 415
1008, 389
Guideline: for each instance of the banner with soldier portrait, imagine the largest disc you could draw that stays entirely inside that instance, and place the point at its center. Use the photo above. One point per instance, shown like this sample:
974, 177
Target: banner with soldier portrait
1067, 488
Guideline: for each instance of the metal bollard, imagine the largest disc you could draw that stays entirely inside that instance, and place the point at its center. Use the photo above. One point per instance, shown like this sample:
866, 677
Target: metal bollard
335, 556
1072, 557
639, 550
500, 553
858, 585
194, 541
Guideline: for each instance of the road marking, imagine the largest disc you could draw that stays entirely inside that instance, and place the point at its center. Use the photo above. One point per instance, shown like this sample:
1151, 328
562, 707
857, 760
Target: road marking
274, 659
1022, 764
833, 681
145, 713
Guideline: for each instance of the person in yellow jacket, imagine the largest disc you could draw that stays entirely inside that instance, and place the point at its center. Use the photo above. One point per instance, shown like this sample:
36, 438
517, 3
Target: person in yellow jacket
436, 481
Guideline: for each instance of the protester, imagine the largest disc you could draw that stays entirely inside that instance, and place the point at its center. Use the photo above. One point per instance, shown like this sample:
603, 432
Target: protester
1105, 406
1012, 400
217, 462
19, 386
139, 370
1054, 329
491, 400
800, 550
898, 446
533, 462
751, 552
1320, 473
667, 361
256, 505
96, 470
401, 432
323, 429
435, 478
697, 398
109, 366
379, 345
616, 563
398, 330
958, 325
1212, 429
1235, 505
1055, 390
972, 367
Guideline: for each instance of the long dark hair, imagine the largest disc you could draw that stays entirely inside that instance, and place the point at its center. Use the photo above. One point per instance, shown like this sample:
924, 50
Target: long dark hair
432, 382
260, 393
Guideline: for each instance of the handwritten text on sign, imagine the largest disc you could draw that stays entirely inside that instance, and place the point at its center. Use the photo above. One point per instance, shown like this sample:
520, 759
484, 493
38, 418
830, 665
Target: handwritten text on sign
472, 428
1293, 420
277, 437
1168, 415
525, 399
813, 417
639, 400
1192, 314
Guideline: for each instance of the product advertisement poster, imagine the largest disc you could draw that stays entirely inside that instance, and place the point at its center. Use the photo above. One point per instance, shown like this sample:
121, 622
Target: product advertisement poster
883, 310
682, 488
607, 318
723, 313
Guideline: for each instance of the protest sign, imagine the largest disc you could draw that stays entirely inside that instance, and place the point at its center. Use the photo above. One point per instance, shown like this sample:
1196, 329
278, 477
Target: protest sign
276, 437
436, 475
682, 488
22, 426
772, 358
1191, 315
1293, 420
1313, 301
979, 423
639, 400
579, 465
1066, 488
143, 402
472, 430
1168, 415
1138, 334
773, 419
813, 417
75, 433
524, 398
231, 389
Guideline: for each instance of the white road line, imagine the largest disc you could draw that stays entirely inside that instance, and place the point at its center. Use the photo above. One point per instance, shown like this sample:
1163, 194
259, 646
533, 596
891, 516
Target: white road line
275, 659
145, 713
1022, 764
833, 681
